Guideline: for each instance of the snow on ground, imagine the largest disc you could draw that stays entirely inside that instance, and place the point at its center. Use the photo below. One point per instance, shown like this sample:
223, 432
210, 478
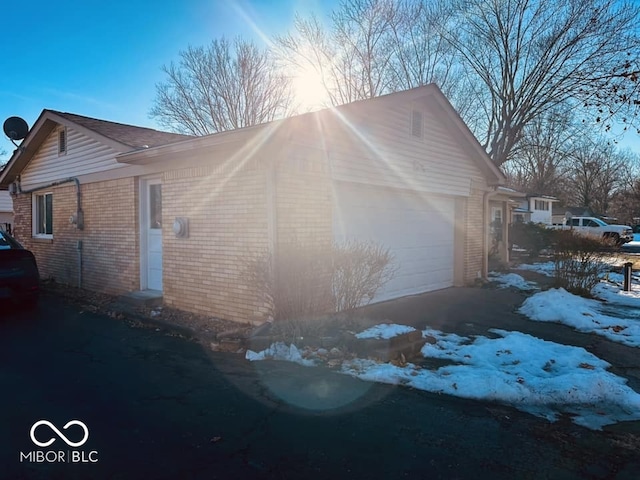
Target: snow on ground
536, 376
533, 375
385, 331
280, 351
583, 314
514, 280
546, 268
611, 291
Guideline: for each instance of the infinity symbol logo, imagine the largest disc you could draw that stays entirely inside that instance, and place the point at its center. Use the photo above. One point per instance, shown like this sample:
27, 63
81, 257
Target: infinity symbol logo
59, 433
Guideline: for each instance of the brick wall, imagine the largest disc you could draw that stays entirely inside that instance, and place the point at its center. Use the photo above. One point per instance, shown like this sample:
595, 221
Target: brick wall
110, 254
474, 250
303, 186
227, 211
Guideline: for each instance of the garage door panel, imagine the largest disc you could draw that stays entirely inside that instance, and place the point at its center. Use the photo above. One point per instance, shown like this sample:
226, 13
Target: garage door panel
417, 229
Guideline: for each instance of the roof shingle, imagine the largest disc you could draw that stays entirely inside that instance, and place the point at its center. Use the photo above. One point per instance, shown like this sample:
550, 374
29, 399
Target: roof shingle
135, 137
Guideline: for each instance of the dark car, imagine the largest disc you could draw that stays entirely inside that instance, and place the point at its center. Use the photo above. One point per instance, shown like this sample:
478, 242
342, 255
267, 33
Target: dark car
19, 277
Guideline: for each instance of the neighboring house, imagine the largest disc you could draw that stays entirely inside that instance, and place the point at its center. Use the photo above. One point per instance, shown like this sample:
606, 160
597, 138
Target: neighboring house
118, 209
6, 211
560, 213
535, 208
503, 207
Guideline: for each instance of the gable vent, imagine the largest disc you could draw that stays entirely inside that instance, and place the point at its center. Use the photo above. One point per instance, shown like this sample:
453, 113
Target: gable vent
417, 122
62, 141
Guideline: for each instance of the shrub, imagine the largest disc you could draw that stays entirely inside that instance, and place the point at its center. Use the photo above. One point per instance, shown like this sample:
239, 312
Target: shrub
296, 282
579, 261
359, 270
308, 280
533, 237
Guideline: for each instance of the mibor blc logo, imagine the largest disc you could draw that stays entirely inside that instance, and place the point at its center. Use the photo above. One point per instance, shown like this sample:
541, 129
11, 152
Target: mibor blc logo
40, 434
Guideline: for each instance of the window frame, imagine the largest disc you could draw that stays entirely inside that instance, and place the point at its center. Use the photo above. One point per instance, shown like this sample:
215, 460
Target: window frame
541, 205
35, 215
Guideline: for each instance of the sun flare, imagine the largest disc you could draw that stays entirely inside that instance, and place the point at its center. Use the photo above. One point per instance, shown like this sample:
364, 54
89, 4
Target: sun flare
308, 89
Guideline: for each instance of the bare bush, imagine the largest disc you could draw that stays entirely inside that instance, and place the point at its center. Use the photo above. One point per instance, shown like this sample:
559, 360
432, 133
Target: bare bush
296, 282
579, 261
359, 270
306, 281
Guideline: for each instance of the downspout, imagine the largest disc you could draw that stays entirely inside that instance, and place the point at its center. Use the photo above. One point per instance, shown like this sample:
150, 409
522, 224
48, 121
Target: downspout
486, 231
79, 217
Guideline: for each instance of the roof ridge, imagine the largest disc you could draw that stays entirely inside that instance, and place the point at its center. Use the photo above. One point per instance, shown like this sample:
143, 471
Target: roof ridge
64, 114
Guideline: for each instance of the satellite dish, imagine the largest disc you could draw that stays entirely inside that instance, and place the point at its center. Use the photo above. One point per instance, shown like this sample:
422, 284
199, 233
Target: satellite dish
15, 128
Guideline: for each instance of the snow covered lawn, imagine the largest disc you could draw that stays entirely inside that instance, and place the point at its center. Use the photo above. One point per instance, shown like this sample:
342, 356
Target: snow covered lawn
583, 314
615, 316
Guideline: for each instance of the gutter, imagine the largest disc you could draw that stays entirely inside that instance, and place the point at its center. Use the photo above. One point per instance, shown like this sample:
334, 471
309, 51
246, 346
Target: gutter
79, 220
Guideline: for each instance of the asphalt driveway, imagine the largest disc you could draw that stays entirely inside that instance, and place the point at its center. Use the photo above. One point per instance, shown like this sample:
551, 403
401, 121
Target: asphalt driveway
160, 406
473, 311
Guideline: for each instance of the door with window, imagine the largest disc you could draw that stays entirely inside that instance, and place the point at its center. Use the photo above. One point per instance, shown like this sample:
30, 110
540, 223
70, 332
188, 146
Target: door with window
151, 233
496, 224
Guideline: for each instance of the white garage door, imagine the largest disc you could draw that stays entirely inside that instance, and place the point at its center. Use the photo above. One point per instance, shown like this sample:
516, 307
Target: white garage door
418, 229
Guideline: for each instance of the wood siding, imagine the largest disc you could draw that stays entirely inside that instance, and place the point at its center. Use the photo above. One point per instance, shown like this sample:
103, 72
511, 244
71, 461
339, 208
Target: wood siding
84, 156
377, 147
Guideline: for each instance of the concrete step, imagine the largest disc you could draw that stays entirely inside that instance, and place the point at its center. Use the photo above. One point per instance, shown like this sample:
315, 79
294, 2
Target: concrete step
142, 298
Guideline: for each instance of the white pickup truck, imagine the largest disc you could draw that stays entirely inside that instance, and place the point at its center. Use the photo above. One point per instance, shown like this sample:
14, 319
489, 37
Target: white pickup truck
596, 228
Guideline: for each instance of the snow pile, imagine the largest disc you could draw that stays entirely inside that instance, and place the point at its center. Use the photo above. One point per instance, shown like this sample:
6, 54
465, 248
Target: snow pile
280, 351
514, 280
385, 331
583, 314
536, 376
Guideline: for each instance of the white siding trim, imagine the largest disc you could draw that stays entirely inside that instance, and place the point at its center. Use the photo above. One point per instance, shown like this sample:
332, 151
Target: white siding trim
84, 156
386, 153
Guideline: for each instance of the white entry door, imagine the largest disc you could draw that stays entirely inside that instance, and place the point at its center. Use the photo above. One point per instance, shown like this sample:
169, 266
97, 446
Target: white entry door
151, 234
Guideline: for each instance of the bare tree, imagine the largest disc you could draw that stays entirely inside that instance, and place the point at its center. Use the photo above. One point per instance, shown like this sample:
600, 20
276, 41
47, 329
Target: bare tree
539, 164
373, 47
597, 173
3, 158
625, 203
353, 57
220, 87
533, 55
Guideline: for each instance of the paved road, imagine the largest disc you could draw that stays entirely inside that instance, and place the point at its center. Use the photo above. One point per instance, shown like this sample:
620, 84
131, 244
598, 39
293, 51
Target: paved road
158, 406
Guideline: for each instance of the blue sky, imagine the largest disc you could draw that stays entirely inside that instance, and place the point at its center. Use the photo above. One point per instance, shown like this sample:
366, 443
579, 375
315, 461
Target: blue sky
103, 58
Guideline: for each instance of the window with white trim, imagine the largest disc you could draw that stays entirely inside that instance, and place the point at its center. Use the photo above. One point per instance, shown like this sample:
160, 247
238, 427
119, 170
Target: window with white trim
42, 214
541, 205
62, 141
